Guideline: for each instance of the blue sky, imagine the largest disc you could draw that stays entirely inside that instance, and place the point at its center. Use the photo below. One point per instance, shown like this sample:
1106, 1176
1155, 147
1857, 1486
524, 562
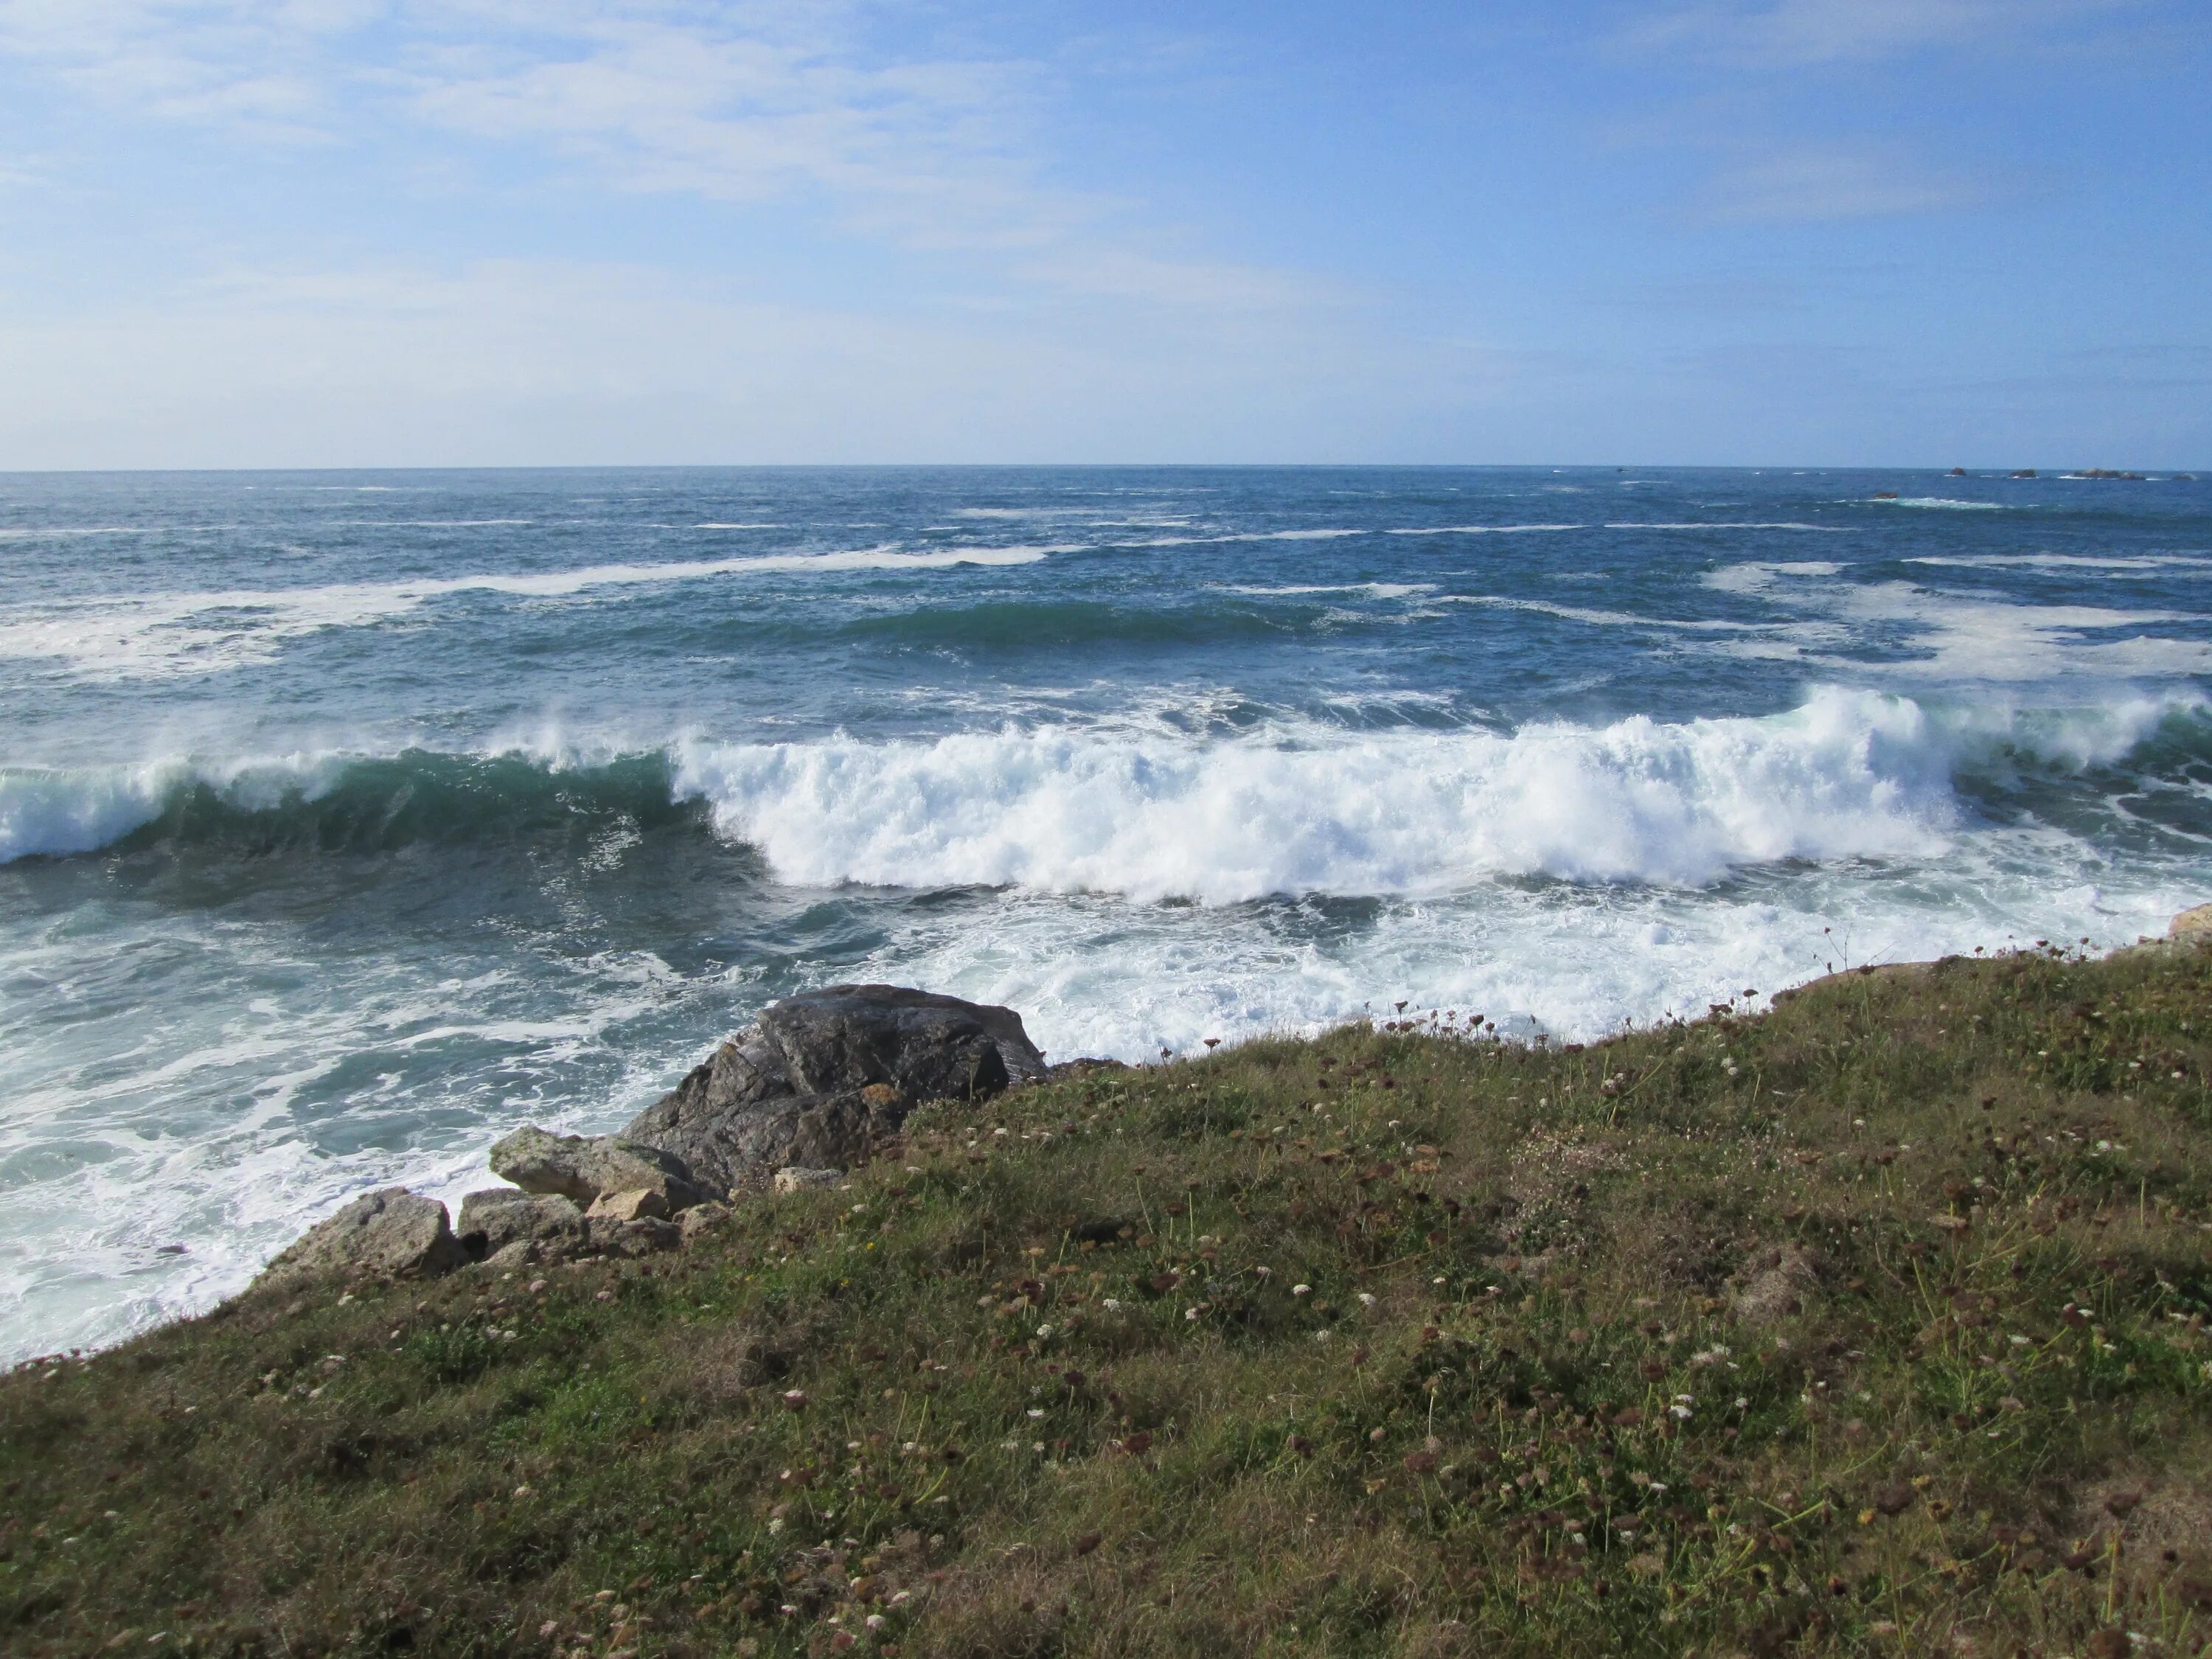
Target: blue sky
479, 232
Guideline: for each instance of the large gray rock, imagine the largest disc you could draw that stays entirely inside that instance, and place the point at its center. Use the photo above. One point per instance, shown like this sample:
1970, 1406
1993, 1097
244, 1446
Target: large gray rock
821, 1079
588, 1168
498, 1216
393, 1234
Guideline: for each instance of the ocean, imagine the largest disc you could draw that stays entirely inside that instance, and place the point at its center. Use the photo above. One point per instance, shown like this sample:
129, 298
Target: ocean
348, 821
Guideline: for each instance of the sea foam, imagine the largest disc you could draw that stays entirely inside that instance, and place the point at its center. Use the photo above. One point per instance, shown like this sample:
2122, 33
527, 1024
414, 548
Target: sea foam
1848, 775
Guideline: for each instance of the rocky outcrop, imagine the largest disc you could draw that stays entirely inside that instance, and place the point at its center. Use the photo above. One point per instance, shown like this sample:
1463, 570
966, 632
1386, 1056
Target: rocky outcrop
393, 1234
821, 1080
809, 1090
588, 1168
2193, 925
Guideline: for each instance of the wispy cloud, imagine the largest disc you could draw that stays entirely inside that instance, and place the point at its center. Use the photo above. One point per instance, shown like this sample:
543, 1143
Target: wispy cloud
233, 62
1809, 182
844, 109
1788, 33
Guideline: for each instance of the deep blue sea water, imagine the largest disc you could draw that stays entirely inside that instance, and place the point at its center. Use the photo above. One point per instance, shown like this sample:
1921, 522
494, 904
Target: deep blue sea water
347, 821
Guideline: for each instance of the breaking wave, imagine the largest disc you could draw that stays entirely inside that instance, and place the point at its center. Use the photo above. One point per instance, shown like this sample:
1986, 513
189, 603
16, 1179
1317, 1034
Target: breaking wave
1847, 774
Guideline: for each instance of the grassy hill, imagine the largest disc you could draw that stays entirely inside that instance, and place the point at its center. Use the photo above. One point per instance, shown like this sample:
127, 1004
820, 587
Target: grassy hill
1874, 1324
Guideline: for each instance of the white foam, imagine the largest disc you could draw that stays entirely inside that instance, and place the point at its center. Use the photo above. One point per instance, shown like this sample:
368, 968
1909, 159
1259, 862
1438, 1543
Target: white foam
1974, 637
1945, 505
1848, 775
1810, 528
166, 635
23, 533
2144, 562
1245, 536
1485, 529
1097, 976
1608, 618
1377, 590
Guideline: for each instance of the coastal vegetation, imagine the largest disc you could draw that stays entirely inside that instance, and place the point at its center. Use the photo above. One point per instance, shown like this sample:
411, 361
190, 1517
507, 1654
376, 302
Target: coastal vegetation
1872, 1321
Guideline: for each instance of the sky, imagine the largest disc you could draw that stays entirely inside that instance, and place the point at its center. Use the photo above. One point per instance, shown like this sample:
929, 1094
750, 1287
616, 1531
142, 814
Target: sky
366, 233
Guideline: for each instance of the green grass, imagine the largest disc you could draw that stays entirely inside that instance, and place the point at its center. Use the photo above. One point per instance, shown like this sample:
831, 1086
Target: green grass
1874, 1324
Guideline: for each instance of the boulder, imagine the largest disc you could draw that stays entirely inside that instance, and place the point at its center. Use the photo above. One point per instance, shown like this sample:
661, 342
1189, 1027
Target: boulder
587, 1168
498, 1218
391, 1233
819, 1080
2193, 925
796, 1180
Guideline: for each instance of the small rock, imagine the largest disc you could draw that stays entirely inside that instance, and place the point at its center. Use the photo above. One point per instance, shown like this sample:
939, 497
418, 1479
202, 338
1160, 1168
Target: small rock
391, 1233
700, 1218
587, 1168
793, 1179
1774, 1283
496, 1220
643, 1203
646, 1235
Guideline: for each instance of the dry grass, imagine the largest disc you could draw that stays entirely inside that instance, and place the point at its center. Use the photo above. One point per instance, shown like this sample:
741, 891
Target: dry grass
1874, 1324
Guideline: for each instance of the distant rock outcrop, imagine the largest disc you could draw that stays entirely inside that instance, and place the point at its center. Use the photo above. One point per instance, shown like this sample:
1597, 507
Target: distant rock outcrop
819, 1080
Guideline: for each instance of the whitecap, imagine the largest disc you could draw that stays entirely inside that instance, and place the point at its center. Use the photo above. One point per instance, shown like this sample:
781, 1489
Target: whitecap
163, 635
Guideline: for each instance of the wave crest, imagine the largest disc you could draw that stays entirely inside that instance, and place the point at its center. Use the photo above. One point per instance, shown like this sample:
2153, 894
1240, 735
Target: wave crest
1847, 774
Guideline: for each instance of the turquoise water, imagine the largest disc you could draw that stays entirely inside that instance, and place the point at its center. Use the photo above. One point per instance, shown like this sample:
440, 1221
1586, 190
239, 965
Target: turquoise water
348, 820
